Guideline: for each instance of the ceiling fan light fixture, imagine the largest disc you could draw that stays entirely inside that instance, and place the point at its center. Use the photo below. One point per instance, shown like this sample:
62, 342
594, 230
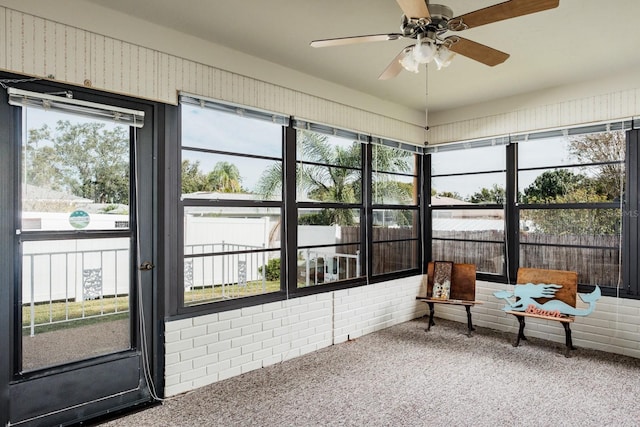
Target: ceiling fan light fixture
423, 52
409, 62
443, 57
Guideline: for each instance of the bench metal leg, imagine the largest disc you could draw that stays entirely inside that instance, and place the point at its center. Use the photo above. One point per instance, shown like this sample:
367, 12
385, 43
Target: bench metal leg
568, 341
431, 312
469, 322
520, 331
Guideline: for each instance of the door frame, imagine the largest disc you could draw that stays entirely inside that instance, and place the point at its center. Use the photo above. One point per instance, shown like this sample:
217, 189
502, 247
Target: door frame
22, 400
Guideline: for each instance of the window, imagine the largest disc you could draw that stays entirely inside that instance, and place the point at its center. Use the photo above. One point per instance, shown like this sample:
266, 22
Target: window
396, 210
467, 207
570, 189
272, 207
550, 200
231, 185
329, 208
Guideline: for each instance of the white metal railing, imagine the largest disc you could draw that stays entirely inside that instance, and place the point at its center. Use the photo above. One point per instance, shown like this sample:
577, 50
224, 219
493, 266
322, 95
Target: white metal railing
68, 282
334, 266
233, 274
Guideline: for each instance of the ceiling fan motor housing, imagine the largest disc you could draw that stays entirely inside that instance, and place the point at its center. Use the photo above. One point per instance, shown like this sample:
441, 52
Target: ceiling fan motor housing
440, 15
426, 27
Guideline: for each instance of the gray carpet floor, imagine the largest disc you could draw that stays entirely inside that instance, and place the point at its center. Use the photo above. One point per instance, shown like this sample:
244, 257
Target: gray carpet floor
404, 376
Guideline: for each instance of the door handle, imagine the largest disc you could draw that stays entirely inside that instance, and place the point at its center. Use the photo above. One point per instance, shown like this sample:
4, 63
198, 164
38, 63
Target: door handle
146, 266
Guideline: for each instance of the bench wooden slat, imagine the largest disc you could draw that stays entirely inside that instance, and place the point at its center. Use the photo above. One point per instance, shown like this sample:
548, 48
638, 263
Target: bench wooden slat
563, 319
449, 301
463, 281
567, 279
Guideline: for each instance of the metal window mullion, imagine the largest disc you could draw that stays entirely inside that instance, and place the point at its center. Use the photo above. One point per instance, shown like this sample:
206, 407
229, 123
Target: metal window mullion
571, 166
330, 245
511, 216
426, 211
290, 221
229, 153
564, 245
487, 172
630, 223
366, 232
406, 174
379, 207
477, 206
570, 206
456, 239
328, 165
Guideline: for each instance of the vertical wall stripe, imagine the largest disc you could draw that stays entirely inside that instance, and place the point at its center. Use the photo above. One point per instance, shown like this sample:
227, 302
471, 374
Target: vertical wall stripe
4, 33
606, 107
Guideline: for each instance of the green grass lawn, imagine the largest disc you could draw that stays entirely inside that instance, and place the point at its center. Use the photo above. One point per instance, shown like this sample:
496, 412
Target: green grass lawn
61, 314
209, 294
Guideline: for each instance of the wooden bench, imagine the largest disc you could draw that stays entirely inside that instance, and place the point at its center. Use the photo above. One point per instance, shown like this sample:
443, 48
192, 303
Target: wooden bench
569, 282
462, 292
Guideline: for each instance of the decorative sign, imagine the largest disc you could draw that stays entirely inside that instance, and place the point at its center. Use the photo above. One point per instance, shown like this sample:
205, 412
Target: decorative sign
442, 280
91, 283
79, 219
532, 309
526, 300
242, 273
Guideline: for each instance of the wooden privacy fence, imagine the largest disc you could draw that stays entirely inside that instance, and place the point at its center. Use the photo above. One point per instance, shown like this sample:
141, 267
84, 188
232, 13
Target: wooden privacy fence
479, 248
390, 253
594, 257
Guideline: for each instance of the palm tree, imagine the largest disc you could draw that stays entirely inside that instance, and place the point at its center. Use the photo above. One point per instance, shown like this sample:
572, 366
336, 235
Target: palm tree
333, 173
225, 178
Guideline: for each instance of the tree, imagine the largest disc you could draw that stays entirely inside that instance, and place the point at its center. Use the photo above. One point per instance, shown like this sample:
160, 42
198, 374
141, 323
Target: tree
193, 179
562, 186
87, 160
324, 183
550, 185
495, 194
225, 178
557, 222
342, 181
602, 148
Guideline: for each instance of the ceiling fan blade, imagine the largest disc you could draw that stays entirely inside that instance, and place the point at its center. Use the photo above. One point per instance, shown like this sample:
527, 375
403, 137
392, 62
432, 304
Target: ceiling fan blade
476, 51
394, 67
357, 39
414, 8
499, 12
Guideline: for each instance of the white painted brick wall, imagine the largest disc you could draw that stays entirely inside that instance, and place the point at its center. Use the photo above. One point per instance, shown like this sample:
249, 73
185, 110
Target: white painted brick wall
612, 327
210, 348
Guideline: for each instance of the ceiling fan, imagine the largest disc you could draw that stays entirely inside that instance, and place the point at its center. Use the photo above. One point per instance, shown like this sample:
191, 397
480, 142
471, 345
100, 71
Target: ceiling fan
427, 24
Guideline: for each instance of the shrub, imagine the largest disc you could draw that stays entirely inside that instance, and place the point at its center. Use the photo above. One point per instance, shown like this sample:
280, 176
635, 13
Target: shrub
272, 270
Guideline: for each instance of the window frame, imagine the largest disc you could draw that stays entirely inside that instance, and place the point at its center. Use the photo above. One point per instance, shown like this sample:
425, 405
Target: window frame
573, 206
415, 207
289, 210
299, 205
629, 203
504, 275
181, 308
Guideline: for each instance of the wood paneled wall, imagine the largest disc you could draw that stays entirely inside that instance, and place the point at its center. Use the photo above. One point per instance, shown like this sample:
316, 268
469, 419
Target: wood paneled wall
39, 47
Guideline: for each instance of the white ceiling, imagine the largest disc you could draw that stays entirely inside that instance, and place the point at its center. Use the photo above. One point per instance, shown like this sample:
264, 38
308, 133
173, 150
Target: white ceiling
579, 40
